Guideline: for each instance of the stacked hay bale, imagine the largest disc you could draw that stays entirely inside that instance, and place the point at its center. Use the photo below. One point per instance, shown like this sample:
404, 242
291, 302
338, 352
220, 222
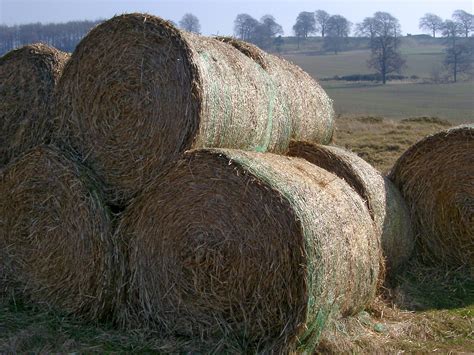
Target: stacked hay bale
436, 178
28, 76
386, 206
249, 250
245, 250
137, 93
55, 234
307, 101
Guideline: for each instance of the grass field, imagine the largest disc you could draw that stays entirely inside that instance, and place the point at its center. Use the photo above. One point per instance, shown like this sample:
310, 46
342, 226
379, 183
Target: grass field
424, 309
453, 101
397, 100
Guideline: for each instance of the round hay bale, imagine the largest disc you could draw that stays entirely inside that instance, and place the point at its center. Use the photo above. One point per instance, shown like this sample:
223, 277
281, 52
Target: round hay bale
55, 234
310, 107
138, 92
249, 250
386, 205
436, 178
28, 76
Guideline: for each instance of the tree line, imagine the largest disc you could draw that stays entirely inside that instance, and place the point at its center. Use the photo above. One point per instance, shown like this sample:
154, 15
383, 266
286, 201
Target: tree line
63, 36
382, 30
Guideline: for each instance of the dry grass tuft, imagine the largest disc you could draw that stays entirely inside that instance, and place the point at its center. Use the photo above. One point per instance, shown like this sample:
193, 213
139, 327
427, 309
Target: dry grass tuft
55, 234
28, 76
246, 251
436, 178
381, 141
138, 92
386, 206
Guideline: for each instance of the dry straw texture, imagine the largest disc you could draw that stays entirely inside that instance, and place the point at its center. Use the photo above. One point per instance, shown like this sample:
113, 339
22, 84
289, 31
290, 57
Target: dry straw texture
436, 177
310, 108
386, 205
138, 92
249, 251
55, 235
28, 76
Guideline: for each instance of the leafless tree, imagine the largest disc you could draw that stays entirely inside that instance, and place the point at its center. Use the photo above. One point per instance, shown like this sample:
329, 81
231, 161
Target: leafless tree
338, 29
465, 21
384, 31
322, 18
245, 26
432, 23
305, 24
190, 23
459, 51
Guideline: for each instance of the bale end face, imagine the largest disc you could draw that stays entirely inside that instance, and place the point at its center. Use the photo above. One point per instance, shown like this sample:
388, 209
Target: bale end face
436, 178
248, 249
28, 76
55, 234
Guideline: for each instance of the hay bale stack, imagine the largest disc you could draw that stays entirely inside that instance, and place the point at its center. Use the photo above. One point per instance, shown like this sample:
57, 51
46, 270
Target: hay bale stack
436, 178
138, 92
386, 205
310, 107
55, 234
28, 76
251, 249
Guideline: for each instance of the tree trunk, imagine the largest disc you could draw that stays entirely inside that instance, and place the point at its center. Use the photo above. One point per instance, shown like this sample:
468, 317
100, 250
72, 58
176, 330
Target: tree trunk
455, 67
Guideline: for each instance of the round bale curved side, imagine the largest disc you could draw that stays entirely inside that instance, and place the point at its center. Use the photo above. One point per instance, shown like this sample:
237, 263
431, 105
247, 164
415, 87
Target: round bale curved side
250, 250
387, 207
138, 92
310, 108
436, 178
28, 76
55, 234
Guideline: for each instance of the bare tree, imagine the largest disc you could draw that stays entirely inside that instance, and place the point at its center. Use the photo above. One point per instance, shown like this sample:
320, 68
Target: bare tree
432, 23
262, 33
451, 31
367, 28
385, 55
338, 29
458, 58
245, 26
190, 23
305, 24
322, 18
465, 21
266, 31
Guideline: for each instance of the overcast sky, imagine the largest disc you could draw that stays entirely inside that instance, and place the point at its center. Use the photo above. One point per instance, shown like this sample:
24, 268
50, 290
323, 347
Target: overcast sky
217, 17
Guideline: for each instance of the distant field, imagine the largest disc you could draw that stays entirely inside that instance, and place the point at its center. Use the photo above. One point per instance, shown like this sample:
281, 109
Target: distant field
421, 58
450, 101
395, 100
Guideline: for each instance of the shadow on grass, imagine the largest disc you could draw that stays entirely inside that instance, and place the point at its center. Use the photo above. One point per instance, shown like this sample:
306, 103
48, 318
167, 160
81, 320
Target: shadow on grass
421, 288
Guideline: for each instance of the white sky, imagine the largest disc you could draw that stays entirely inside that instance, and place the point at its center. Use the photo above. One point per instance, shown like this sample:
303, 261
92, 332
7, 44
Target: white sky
217, 17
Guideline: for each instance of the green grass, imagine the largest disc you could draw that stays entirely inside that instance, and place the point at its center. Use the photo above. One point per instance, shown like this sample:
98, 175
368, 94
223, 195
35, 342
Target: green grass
421, 57
450, 101
396, 99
